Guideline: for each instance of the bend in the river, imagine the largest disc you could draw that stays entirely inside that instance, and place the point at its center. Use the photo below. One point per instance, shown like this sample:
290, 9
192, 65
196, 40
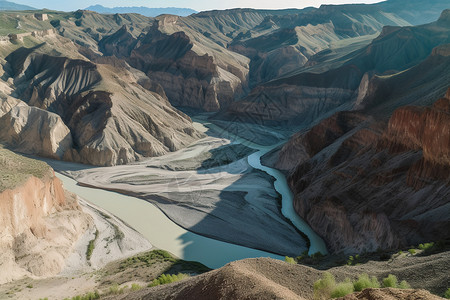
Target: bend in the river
281, 186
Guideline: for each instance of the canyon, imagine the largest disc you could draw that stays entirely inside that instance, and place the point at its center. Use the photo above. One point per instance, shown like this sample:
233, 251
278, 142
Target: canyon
319, 134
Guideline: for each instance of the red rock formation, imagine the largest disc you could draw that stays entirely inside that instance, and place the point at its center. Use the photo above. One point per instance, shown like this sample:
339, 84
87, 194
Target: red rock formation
422, 129
364, 185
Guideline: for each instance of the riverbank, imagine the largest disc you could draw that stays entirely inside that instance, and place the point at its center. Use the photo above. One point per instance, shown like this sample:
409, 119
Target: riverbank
151, 222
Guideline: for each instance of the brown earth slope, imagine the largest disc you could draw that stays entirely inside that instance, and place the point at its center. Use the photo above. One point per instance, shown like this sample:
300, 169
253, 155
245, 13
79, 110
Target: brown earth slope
264, 278
40, 221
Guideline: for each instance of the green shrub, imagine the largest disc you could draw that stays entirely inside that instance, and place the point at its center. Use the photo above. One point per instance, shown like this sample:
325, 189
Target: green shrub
30, 286
403, 285
412, 251
89, 296
353, 260
290, 260
365, 282
135, 287
390, 281
91, 246
400, 252
447, 294
302, 256
350, 260
342, 289
324, 286
426, 246
167, 278
115, 289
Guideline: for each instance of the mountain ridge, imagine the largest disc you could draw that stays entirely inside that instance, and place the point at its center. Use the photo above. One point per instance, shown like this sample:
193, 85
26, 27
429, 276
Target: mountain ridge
8, 5
143, 10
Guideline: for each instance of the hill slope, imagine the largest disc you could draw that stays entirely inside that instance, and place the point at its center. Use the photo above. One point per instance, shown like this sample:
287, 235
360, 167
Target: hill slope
264, 278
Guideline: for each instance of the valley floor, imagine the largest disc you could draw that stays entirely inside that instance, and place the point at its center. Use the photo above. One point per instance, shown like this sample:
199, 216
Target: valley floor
208, 188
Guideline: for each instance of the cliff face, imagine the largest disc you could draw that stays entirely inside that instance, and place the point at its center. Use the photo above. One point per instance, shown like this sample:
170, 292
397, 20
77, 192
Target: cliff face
337, 83
77, 110
35, 131
193, 71
40, 221
368, 185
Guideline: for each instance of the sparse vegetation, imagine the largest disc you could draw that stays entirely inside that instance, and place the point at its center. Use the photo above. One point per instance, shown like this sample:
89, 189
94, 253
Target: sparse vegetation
326, 287
88, 296
426, 246
30, 286
16, 169
135, 287
403, 285
302, 256
342, 289
118, 234
149, 258
168, 278
290, 260
390, 281
353, 260
91, 246
115, 289
365, 282
412, 251
350, 260
447, 294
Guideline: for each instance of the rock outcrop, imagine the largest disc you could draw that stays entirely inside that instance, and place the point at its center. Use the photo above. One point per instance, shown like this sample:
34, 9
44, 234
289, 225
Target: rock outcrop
36, 131
193, 71
86, 112
358, 182
40, 221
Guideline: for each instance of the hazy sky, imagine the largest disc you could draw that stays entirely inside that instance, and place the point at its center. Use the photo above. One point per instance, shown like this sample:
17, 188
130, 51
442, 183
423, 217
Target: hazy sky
199, 5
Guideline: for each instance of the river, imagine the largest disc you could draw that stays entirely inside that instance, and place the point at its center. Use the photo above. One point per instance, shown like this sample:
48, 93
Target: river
281, 185
165, 234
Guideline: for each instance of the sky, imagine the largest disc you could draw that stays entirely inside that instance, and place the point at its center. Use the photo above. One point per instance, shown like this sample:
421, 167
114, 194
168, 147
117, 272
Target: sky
198, 5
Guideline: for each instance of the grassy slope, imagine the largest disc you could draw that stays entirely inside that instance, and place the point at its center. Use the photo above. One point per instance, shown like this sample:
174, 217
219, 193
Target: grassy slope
16, 169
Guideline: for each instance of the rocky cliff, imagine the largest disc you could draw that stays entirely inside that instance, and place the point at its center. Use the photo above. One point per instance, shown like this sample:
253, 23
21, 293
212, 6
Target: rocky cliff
408, 61
193, 70
365, 185
77, 110
40, 221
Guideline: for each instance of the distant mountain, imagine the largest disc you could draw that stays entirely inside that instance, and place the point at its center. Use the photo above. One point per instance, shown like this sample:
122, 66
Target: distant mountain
6, 5
146, 11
